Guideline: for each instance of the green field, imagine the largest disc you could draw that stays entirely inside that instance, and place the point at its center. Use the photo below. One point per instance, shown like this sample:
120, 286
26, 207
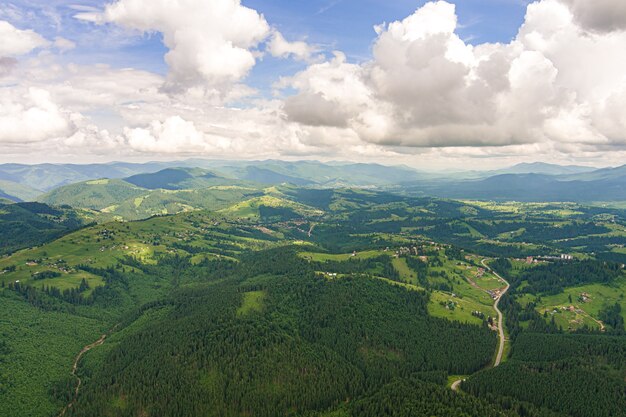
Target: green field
597, 297
322, 257
458, 309
457, 305
252, 302
406, 274
105, 245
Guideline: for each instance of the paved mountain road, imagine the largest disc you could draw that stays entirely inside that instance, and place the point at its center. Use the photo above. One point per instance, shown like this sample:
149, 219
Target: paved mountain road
500, 352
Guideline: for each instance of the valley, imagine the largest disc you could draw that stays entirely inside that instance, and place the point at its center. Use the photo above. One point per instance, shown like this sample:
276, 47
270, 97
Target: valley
425, 291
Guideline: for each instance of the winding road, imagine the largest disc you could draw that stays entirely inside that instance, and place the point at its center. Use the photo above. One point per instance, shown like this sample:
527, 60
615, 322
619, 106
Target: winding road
500, 353
500, 316
75, 367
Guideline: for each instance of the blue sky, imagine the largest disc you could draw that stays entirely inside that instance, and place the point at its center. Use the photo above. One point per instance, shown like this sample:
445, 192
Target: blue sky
345, 25
348, 25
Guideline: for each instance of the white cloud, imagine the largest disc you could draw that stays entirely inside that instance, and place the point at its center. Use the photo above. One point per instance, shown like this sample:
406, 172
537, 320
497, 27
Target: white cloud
600, 15
33, 117
7, 65
210, 42
174, 135
425, 87
63, 44
18, 42
557, 90
280, 47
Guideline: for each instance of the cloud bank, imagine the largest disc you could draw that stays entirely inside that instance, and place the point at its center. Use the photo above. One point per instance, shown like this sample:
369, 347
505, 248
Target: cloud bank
425, 87
558, 89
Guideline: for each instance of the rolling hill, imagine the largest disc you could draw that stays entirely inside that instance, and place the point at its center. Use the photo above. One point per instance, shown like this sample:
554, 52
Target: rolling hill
600, 185
522, 182
31, 224
17, 192
314, 173
45, 177
169, 191
185, 179
93, 194
370, 309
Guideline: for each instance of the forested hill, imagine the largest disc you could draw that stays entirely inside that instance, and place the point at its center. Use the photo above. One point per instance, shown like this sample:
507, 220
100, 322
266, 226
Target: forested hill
268, 337
299, 302
31, 224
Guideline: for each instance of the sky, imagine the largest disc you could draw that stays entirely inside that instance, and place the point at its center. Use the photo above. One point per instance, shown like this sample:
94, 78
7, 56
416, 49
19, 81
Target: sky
472, 84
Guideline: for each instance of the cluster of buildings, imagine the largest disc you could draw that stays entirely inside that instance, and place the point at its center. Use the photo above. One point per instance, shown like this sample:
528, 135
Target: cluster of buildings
539, 258
495, 293
418, 250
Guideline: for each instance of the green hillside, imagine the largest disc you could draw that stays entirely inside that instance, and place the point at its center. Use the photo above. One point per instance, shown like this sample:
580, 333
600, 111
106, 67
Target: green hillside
17, 192
31, 224
118, 199
268, 206
180, 179
162, 202
93, 194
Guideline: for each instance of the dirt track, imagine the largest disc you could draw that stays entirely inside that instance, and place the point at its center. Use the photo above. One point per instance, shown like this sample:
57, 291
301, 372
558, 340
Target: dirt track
75, 367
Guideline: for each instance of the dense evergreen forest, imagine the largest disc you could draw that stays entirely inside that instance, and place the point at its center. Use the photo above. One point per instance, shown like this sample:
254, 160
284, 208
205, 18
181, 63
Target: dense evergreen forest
307, 344
577, 375
30, 224
554, 277
371, 309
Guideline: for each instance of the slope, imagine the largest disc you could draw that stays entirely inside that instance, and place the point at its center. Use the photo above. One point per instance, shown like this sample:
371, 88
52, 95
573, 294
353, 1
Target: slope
93, 194
17, 192
31, 224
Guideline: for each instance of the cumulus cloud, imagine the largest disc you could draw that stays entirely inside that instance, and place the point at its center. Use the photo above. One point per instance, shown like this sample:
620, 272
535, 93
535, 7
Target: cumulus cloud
18, 42
282, 48
7, 64
558, 89
174, 135
425, 87
600, 15
210, 41
33, 117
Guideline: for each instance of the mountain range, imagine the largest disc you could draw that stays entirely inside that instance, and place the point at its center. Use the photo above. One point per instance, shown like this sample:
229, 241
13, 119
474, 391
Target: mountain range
71, 183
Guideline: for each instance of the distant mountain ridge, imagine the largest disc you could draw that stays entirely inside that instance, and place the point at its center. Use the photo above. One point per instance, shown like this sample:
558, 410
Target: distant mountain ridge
609, 185
44, 177
69, 184
547, 169
28, 181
